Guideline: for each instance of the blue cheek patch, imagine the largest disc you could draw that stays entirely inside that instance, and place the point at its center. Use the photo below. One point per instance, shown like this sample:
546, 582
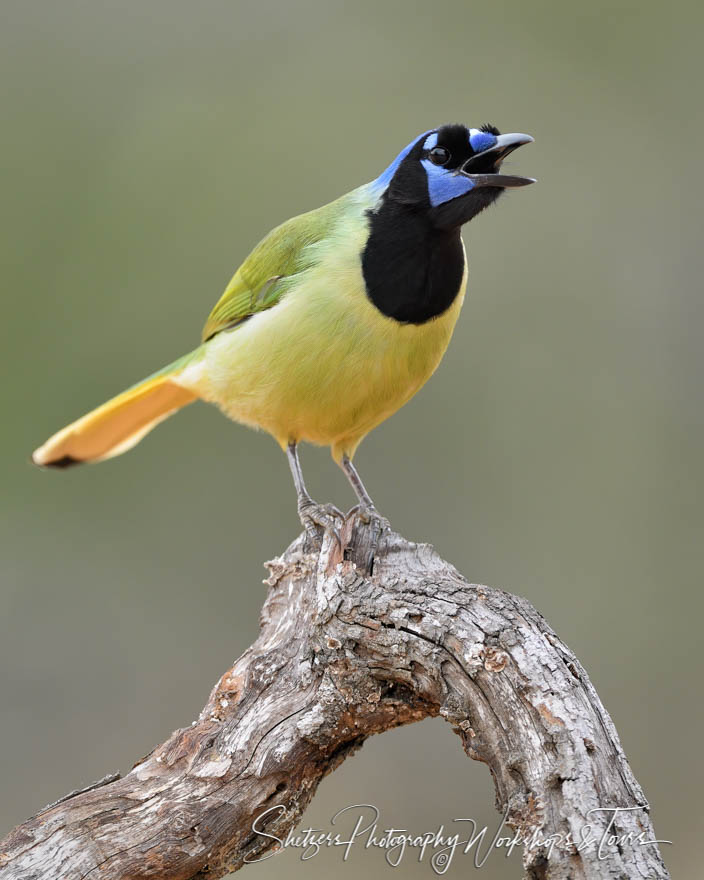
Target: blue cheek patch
482, 140
443, 186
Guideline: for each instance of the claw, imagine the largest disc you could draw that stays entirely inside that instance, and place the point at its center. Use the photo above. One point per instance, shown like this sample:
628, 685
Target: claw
320, 516
333, 511
368, 515
367, 538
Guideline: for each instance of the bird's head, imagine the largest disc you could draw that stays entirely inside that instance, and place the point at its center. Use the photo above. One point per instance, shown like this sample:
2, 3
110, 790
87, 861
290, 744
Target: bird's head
452, 172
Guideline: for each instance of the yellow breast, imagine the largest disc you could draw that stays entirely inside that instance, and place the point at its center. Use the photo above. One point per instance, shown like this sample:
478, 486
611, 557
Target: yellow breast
324, 365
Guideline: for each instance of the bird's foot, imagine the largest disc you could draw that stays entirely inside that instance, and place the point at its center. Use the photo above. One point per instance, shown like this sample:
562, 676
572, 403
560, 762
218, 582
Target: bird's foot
367, 538
370, 516
318, 519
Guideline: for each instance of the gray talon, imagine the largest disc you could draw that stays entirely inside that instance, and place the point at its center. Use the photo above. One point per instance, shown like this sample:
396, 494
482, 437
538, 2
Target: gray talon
319, 516
333, 511
368, 535
370, 514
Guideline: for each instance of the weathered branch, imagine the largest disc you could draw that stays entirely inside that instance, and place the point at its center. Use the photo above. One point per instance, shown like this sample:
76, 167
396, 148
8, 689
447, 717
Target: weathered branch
341, 656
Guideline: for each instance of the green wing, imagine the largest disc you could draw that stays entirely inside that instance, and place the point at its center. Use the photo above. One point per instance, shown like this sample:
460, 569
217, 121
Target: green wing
266, 274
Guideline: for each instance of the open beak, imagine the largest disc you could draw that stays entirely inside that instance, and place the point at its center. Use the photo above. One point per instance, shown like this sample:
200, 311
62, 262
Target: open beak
482, 167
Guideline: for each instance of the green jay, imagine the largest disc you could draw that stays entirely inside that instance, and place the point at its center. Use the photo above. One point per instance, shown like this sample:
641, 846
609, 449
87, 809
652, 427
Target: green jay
333, 322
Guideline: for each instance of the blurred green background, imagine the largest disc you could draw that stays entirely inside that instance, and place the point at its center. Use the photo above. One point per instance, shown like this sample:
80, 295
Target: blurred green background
556, 453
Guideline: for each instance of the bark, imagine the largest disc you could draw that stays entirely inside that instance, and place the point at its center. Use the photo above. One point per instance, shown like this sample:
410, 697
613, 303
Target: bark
343, 654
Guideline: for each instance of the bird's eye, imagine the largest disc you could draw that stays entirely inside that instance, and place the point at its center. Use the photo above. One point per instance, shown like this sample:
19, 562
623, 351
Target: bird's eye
439, 156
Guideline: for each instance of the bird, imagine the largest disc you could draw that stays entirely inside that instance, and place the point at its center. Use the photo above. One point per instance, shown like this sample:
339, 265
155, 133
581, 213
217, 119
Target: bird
333, 322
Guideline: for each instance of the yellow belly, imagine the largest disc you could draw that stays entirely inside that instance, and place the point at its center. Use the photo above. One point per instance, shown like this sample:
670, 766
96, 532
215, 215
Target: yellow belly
323, 365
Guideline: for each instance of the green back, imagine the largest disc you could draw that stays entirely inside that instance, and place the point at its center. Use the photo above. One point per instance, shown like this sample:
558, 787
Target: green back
264, 276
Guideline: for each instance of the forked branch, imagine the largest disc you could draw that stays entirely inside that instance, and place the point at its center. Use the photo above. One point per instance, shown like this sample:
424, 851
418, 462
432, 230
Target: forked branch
342, 655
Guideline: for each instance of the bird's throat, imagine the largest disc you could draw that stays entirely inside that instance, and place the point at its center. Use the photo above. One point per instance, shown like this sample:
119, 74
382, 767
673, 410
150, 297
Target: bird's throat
412, 271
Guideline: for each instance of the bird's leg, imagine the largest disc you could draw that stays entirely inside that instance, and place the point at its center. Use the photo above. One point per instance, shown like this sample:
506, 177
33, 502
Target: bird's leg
355, 481
366, 508
368, 541
312, 515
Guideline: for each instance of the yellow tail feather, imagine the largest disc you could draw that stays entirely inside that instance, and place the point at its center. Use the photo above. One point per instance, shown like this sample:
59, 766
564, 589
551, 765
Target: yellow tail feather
117, 425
